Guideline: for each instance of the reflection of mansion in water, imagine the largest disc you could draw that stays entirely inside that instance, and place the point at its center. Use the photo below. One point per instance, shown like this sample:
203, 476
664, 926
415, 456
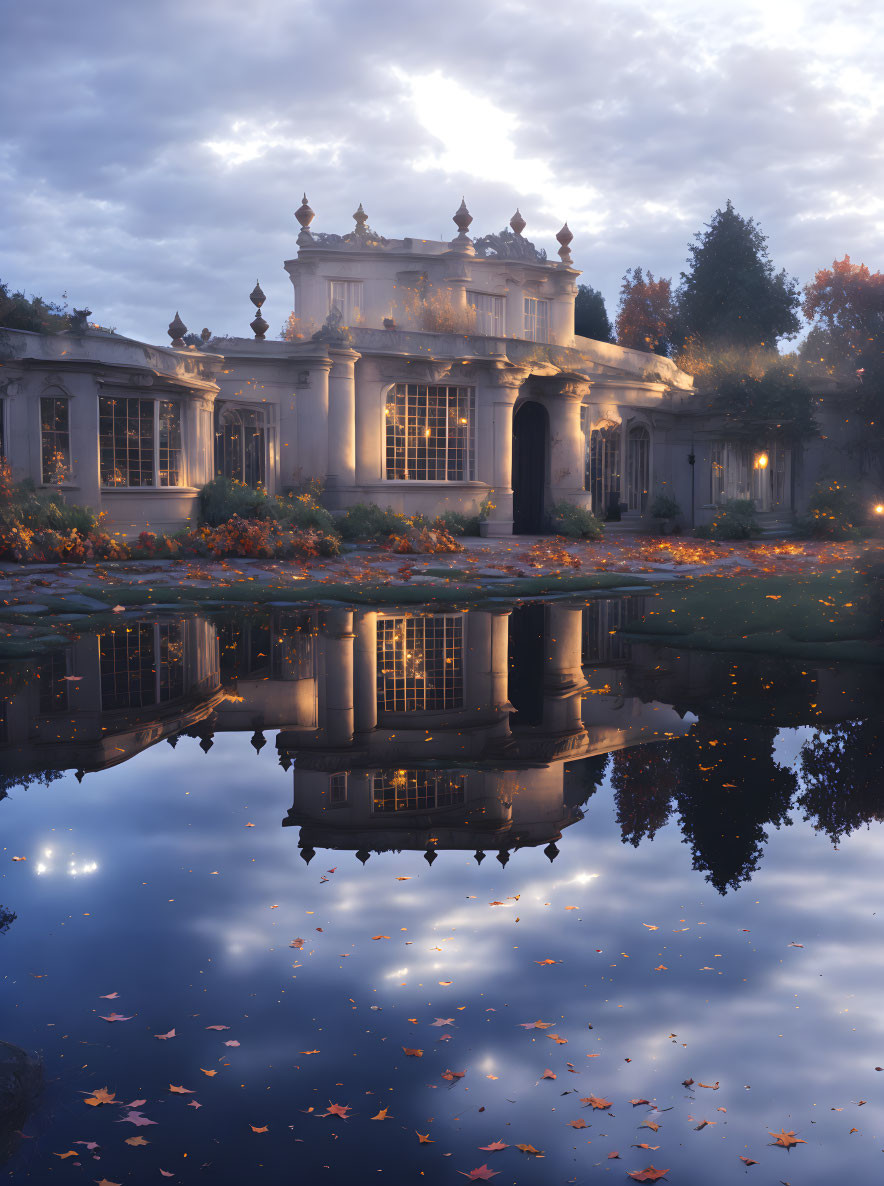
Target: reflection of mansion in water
406, 730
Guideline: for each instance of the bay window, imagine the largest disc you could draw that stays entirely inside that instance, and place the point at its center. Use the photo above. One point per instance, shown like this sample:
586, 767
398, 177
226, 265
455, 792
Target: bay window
430, 433
536, 319
490, 313
139, 442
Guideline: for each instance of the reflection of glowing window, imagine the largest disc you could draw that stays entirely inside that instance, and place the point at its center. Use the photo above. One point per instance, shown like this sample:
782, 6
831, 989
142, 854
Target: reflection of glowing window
416, 790
603, 469
337, 788
429, 433
420, 663
53, 687
141, 665
602, 619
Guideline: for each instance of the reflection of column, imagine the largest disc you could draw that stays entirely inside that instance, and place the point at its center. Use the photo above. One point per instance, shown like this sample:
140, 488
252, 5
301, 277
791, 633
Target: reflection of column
342, 419
563, 672
366, 671
337, 638
500, 642
500, 398
567, 448
477, 656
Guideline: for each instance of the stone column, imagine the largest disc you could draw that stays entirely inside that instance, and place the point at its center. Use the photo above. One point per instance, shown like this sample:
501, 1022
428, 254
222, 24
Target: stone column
338, 639
312, 421
366, 671
500, 645
341, 425
567, 445
497, 430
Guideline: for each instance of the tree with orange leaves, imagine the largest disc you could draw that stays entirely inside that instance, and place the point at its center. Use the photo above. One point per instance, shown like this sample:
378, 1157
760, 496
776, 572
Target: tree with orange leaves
645, 315
846, 304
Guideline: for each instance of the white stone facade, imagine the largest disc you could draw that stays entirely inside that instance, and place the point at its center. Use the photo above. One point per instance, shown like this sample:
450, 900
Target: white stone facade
421, 375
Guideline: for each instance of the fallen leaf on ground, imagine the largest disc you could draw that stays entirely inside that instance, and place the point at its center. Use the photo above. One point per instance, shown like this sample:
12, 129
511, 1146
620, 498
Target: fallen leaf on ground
337, 1110
648, 1174
578, 1123
596, 1101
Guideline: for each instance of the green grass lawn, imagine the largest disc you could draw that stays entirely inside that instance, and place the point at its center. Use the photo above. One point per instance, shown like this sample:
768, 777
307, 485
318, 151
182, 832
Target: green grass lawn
825, 615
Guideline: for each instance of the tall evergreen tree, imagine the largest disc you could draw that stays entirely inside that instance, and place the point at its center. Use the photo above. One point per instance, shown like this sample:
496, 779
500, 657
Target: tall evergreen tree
590, 315
731, 297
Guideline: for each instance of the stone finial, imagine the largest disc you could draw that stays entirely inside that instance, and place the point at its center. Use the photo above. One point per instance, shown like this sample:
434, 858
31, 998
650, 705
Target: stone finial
259, 326
564, 238
430, 855
462, 217
517, 222
308, 852
304, 214
205, 335
551, 851
285, 762
478, 856
361, 219
362, 855
176, 331
503, 856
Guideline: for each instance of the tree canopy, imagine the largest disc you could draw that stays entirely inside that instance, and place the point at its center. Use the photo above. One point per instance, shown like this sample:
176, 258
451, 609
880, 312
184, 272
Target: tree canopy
590, 315
18, 311
730, 296
645, 315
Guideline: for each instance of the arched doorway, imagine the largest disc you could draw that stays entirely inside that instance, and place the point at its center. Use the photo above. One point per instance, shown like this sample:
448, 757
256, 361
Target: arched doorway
240, 444
530, 447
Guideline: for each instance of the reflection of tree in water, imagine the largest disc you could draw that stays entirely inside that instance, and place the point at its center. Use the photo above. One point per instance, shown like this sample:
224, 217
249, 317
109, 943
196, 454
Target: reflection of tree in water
726, 786
730, 789
7, 918
644, 784
584, 779
841, 769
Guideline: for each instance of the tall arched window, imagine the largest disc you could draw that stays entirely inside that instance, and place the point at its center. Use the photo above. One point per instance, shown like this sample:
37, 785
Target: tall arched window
603, 470
241, 445
638, 468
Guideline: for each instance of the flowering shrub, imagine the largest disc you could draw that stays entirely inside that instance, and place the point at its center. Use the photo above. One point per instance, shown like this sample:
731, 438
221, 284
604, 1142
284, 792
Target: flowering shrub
26, 545
833, 512
256, 538
735, 519
576, 522
425, 539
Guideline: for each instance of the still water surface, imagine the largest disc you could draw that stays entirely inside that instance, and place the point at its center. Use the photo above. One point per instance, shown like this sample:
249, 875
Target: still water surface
350, 837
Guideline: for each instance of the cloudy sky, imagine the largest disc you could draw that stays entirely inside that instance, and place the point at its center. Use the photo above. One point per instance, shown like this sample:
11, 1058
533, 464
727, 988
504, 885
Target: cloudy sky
151, 156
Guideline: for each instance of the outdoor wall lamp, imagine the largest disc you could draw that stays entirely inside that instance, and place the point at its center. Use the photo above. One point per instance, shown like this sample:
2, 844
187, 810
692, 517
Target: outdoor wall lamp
761, 461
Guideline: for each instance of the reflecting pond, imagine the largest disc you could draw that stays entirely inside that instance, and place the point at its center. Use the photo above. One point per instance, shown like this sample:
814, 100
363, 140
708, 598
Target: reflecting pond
503, 878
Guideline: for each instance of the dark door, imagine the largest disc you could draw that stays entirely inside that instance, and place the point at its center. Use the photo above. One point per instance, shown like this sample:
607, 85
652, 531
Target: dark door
530, 440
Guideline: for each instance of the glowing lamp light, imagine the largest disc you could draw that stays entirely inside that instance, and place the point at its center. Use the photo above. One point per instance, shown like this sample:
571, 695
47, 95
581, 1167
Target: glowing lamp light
761, 461
879, 508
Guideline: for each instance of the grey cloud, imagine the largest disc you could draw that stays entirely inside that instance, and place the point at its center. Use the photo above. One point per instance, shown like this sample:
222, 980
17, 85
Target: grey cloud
114, 196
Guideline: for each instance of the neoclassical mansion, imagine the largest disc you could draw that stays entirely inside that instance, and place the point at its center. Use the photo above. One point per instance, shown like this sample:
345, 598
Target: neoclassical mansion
419, 374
